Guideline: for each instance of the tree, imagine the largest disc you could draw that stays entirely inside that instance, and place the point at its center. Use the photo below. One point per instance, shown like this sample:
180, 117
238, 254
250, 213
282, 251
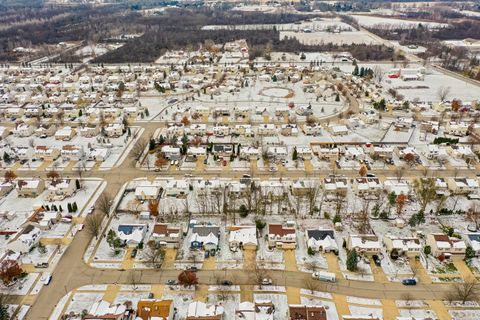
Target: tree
295, 154
93, 223
161, 161
259, 274
352, 260
138, 148
77, 184
401, 201
409, 158
188, 278
154, 254
53, 175
473, 214
426, 191
4, 315
363, 171
113, 240
153, 207
442, 93
464, 291
427, 250
104, 203
10, 271
185, 121
456, 105
9, 176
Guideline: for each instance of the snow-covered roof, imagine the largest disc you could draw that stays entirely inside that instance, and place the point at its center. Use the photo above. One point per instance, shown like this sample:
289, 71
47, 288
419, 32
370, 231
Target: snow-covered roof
244, 235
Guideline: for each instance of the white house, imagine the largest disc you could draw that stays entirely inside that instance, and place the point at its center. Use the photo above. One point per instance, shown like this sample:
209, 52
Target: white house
242, 237
365, 243
321, 240
132, 234
25, 240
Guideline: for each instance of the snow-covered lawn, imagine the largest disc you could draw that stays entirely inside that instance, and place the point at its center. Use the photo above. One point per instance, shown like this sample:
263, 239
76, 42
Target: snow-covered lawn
366, 311
279, 301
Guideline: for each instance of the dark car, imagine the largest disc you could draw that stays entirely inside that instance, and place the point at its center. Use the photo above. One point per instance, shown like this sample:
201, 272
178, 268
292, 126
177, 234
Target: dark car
150, 295
42, 265
376, 260
227, 283
171, 282
409, 282
134, 253
192, 268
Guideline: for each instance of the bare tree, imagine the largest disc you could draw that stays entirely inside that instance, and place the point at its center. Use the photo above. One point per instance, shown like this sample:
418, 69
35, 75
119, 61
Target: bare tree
399, 172
311, 285
138, 148
408, 298
93, 223
442, 93
104, 203
426, 191
154, 254
259, 274
378, 74
313, 193
464, 291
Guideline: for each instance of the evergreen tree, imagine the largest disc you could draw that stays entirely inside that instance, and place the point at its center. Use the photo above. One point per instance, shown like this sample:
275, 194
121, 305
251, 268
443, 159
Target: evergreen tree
352, 260
362, 72
355, 71
69, 207
60, 208
295, 154
77, 184
74, 207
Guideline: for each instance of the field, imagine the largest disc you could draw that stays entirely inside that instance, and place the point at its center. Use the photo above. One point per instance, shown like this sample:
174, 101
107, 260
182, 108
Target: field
370, 21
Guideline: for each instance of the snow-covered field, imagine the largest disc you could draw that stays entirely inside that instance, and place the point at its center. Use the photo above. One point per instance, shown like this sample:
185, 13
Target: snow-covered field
372, 21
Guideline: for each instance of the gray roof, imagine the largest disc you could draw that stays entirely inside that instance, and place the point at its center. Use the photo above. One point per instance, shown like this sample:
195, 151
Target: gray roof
319, 234
204, 231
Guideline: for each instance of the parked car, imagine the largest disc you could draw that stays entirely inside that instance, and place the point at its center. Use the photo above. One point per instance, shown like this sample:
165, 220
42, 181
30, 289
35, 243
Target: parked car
409, 282
42, 265
207, 254
377, 260
213, 252
150, 295
192, 268
171, 282
267, 281
227, 283
46, 278
134, 253
91, 210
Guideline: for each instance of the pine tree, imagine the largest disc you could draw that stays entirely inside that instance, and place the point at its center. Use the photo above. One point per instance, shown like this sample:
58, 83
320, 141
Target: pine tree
352, 260
355, 71
69, 207
295, 154
362, 72
74, 207
77, 184
60, 208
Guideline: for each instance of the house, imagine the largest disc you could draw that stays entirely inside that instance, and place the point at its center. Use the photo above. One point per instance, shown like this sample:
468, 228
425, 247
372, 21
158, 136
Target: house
327, 153
289, 130
175, 188
282, 236
4, 132
198, 129
171, 153
71, 153
473, 240
46, 153
463, 152
196, 151
462, 185
312, 129
458, 129
397, 187
30, 188
65, 134
367, 186
446, 247
304, 312
338, 130
5, 188
198, 310
335, 185
403, 246
114, 130
267, 129
45, 130
205, 237
383, 152
147, 192
23, 130
61, 189
154, 309
354, 153
98, 154
321, 240
304, 153
104, 310
25, 240
14, 112
258, 310
223, 149
277, 152
249, 153
90, 130
132, 234
221, 131
44, 219
166, 235
242, 237
436, 152
364, 243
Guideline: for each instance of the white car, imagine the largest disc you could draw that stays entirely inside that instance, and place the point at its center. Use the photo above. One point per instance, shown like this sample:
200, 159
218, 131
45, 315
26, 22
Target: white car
267, 281
46, 278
